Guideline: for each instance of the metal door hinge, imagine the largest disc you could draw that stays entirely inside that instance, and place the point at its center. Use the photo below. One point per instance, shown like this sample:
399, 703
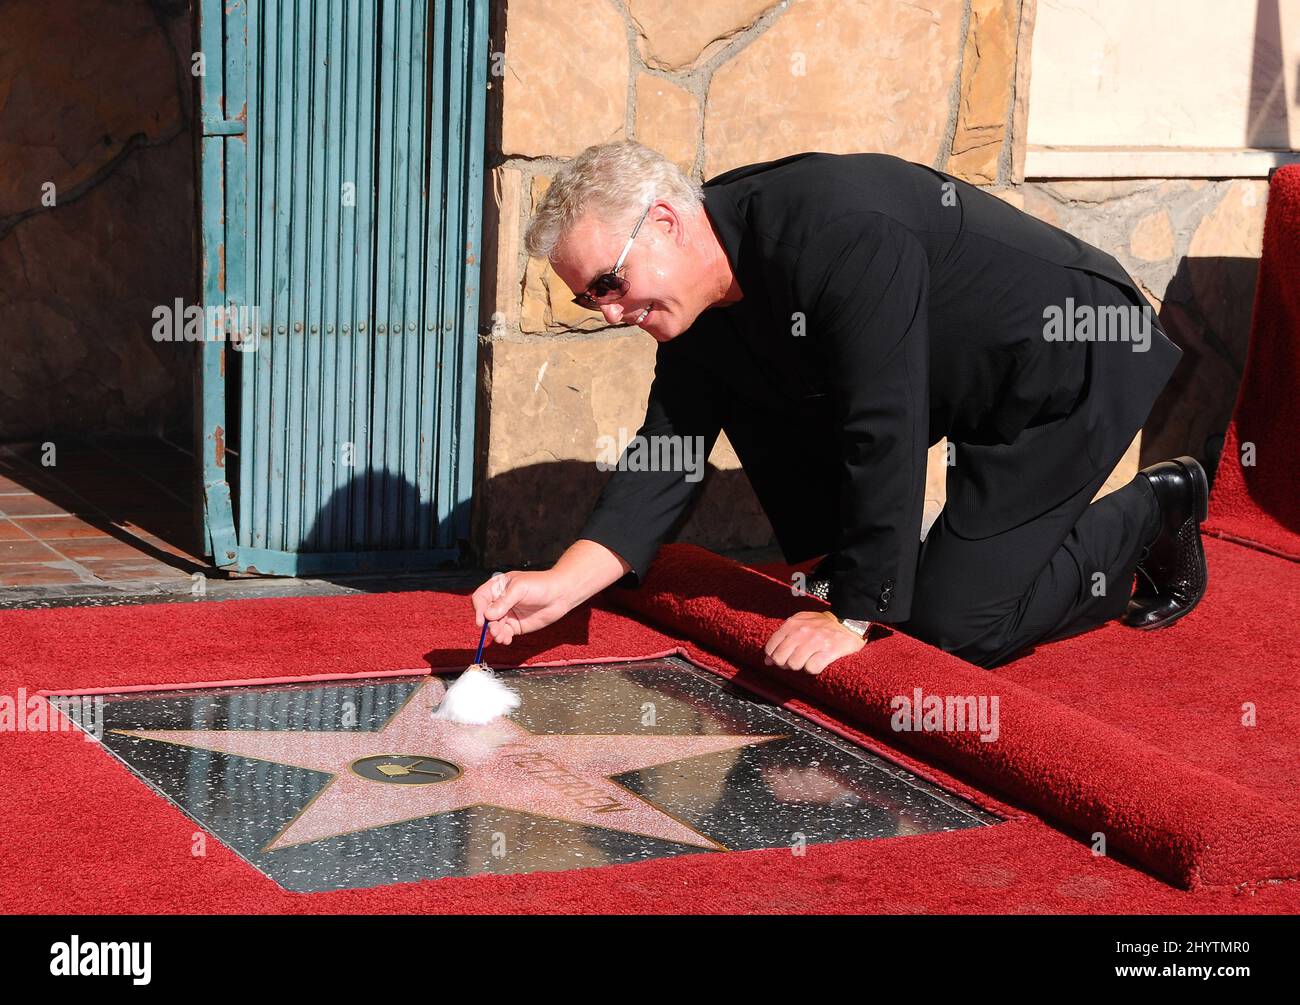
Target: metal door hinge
222, 127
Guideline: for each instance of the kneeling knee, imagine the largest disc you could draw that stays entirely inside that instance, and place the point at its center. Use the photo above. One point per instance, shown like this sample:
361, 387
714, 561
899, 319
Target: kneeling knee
978, 640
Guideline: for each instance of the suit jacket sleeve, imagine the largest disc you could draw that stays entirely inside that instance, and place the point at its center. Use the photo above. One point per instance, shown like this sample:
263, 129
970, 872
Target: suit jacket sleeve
638, 509
865, 279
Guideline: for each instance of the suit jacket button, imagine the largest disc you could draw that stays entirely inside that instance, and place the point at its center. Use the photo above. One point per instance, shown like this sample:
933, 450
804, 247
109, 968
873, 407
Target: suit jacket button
883, 605
888, 584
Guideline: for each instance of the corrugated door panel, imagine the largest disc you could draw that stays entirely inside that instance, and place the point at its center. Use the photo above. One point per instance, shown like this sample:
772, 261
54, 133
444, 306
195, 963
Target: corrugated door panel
345, 19
462, 180
350, 212
441, 164
413, 397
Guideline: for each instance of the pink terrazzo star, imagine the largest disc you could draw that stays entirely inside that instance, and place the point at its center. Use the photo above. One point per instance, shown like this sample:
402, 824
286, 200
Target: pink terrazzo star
501, 764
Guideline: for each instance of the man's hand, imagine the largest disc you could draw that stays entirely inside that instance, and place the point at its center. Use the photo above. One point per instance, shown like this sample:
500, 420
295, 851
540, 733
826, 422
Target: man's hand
810, 641
519, 602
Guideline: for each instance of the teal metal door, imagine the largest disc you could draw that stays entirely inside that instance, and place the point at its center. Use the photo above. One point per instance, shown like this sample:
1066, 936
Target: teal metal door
341, 183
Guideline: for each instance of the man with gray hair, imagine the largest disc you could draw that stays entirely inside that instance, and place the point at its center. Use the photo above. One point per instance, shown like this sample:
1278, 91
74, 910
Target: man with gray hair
836, 315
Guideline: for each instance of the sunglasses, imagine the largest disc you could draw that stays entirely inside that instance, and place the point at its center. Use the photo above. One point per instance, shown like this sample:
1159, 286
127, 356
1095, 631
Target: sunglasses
609, 286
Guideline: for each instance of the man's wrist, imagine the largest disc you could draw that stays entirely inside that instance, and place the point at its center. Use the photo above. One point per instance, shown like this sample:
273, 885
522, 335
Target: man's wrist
586, 568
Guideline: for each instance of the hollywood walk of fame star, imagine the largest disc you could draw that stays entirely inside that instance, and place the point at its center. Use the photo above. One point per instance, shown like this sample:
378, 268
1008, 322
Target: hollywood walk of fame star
379, 778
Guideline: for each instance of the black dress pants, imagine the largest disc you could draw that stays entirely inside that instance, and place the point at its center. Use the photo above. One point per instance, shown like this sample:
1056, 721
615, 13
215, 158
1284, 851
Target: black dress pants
1067, 571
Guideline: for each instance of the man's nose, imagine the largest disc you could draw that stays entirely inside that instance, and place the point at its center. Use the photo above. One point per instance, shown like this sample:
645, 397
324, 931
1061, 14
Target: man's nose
612, 312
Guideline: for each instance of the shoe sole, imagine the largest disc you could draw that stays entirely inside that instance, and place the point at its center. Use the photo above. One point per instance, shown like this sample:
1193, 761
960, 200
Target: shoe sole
1200, 486
1201, 494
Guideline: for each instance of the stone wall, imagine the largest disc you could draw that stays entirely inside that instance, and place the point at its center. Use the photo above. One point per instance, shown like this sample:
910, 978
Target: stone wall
719, 84
95, 102
1194, 247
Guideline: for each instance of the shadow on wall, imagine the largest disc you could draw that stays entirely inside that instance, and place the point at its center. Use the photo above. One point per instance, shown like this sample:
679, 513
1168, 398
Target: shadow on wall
96, 218
376, 510
527, 516
1207, 311
1268, 123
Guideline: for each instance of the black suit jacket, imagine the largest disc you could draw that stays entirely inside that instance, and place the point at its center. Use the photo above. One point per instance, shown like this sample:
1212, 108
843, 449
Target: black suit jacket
887, 305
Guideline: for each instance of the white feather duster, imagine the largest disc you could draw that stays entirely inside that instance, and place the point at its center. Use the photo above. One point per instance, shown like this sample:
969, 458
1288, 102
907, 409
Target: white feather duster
476, 697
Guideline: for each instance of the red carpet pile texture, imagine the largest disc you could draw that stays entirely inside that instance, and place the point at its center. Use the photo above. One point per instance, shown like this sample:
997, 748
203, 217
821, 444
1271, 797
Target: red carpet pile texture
1256, 498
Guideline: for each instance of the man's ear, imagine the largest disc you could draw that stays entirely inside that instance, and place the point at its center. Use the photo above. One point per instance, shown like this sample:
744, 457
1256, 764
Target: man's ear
665, 212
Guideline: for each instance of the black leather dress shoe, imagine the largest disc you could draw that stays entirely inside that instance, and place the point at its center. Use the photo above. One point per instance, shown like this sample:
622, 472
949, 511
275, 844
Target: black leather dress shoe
1171, 574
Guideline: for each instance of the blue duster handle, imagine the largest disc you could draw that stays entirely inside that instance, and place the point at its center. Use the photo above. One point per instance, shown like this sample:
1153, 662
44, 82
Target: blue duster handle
478, 658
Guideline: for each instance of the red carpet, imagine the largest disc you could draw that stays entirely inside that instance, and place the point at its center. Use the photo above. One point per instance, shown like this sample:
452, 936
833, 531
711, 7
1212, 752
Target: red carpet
79, 833
1259, 503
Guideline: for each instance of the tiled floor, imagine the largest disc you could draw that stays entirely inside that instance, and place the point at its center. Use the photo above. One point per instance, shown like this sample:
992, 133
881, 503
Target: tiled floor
79, 514
112, 525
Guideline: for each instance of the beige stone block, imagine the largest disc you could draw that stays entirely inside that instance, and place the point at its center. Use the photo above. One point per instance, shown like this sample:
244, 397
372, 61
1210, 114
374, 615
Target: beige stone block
552, 399
724, 455
1234, 228
1206, 309
535, 308
838, 77
504, 235
667, 119
1125, 470
1040, 205
548, 303
549, 405
618, 369
1152, 239
1012, 197
727, 515
536, 189
565, 80
680, 34
988, 76
1156, 301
